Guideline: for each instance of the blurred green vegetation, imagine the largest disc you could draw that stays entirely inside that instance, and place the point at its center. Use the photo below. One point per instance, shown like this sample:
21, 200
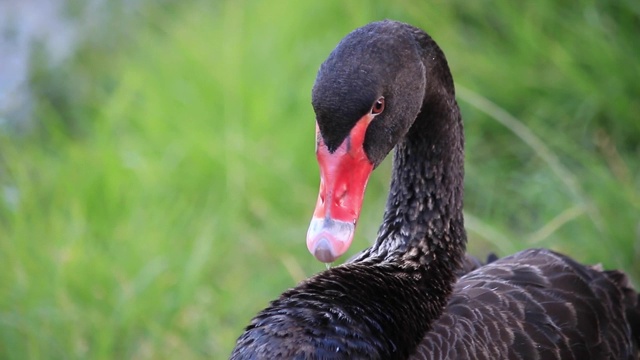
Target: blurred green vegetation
164, 198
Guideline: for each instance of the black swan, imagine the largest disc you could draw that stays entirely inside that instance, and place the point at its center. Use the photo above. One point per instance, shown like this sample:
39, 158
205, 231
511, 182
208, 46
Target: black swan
388, 85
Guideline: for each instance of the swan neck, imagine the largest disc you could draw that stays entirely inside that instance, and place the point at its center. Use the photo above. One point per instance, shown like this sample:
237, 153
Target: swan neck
423, 220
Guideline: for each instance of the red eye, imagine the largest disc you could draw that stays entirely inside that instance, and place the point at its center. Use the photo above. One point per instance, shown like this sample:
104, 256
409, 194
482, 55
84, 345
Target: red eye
378, 106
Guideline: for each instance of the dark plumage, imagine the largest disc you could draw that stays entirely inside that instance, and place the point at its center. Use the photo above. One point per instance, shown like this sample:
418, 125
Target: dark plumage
402, 298
535, 304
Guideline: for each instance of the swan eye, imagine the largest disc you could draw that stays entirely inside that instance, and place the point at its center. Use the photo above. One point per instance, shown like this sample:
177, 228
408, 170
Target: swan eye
378, 106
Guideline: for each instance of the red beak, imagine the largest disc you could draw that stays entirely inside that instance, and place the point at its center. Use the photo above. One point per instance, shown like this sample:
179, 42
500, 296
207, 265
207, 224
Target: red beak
343, 180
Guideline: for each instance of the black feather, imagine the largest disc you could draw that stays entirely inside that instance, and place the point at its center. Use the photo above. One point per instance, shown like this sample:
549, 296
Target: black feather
414, 294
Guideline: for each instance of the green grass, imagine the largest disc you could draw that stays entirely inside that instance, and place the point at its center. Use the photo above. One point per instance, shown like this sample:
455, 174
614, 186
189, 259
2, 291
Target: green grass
175, 205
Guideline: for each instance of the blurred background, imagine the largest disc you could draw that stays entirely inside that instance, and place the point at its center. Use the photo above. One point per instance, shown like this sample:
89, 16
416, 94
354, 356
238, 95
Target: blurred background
157, 168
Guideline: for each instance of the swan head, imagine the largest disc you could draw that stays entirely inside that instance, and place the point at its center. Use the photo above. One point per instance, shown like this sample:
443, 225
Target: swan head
366, 96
